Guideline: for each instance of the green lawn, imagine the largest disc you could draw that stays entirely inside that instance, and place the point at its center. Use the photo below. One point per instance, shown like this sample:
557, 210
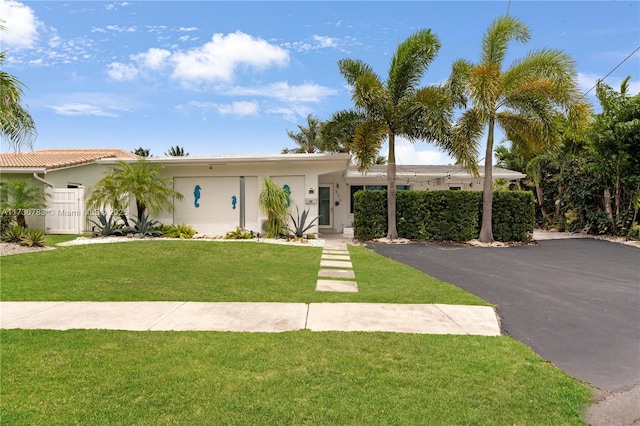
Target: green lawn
192, 378
102, 377
210, 271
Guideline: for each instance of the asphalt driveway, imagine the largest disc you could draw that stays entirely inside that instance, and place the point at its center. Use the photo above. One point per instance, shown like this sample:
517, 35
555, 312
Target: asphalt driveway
575, 302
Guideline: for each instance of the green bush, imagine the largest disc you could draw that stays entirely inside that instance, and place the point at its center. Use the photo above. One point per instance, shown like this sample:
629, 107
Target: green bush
181, 231
634, 232
239, 234
444, 215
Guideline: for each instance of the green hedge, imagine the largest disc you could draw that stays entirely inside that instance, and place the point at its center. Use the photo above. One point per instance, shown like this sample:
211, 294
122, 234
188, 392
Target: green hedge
444, 215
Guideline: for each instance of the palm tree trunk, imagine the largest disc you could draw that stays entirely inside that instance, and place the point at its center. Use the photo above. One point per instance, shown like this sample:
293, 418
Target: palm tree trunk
486, 229
607, 206
392, 232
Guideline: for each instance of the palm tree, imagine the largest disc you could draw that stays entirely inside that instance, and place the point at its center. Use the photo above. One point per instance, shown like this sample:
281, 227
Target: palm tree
17, 196
273, 202
16, 124
139, 180
396, 106
176, 151
107, 195
527, 100
142, 152
308, 138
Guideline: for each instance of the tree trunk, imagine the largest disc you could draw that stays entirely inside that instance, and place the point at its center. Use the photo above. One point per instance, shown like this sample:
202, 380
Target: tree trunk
486, 230
543, 210
607, 205
392, 232
617, 197
21, 221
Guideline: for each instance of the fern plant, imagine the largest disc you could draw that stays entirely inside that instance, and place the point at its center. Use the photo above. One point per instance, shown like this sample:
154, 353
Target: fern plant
299, 225
33, 238
108, 226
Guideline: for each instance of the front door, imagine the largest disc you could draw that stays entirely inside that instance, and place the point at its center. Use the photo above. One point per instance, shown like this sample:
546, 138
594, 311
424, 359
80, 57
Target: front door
325, 209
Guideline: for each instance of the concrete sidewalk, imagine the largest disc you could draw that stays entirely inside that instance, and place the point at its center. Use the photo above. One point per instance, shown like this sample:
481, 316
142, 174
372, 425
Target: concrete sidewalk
251, 317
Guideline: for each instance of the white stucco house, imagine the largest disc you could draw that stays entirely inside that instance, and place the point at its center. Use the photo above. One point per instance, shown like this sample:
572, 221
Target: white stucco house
221, 192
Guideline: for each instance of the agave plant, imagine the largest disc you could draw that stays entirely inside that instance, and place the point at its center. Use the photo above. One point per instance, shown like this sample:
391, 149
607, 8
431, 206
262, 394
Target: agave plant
108, 226
144, 227
33, 238
13, 234
300, 226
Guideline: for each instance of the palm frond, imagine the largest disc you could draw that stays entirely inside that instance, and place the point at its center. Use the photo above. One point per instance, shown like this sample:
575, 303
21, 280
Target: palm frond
464, 142
367, 141
499, 34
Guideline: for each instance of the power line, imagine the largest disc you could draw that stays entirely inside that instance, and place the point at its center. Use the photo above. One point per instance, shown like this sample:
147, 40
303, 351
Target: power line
616, 67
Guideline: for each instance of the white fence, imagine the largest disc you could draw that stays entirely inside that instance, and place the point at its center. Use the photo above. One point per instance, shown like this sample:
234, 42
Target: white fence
66, 213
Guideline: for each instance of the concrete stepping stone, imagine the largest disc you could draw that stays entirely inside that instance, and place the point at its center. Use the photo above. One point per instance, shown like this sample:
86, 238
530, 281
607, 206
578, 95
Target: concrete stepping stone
336, 264
336, 257
340, 252
337, 286
337, 273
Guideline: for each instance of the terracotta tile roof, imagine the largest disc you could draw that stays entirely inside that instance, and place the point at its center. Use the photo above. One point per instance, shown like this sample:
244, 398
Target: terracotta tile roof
58, 158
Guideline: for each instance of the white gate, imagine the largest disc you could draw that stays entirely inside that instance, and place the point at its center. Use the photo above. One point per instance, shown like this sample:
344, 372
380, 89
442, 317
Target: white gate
66, 214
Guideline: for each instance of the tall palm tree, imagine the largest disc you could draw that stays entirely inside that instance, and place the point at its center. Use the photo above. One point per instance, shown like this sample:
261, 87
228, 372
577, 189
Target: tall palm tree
527, 100
17, 196
176, 151
142, 152
16, 124
394, 107
139, 180
107, 195
308, 138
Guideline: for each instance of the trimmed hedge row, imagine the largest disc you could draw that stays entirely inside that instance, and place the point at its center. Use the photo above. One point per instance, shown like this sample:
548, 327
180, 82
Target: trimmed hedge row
444, 215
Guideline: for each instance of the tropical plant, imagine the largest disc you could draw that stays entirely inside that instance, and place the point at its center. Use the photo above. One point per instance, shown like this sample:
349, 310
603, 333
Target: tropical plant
239, 234
300, 225
19, 196
13, 234
142, 152
17, 126
6, 221
108, 226
527, 100
176, 151
144, 227
308, 139
273, 202
139, 180
107, 195
33, 238
394, 107
181, 231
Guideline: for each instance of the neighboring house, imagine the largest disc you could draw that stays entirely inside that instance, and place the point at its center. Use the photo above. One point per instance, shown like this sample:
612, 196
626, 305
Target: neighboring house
221, 192
66, 174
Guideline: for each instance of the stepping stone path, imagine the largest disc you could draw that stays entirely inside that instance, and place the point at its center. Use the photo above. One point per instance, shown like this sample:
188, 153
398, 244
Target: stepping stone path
336, 270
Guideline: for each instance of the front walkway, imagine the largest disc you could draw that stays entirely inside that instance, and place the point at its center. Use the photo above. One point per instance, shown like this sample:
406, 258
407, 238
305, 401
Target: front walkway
251, 317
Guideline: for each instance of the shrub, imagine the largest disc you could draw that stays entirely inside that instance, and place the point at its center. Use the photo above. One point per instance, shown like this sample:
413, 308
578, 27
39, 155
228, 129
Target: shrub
273, 201
182, 231
239, 234
444, 215
634, 232
33, 238
14, 234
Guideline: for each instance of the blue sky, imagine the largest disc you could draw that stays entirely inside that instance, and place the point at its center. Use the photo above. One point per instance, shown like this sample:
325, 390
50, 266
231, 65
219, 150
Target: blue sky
220, 78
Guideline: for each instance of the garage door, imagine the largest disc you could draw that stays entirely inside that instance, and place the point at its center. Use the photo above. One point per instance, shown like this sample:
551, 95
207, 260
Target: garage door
214, 205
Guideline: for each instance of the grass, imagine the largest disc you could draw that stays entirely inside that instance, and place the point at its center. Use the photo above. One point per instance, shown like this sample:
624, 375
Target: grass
53, 239
210, 271
115, 377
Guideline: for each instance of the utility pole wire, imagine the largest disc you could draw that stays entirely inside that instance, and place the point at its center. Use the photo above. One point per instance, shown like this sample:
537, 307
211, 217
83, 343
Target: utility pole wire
617, 66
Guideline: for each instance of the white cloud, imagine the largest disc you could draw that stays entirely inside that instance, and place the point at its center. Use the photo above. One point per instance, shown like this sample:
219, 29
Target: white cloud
408, 153
188, 29
119, 29
122, 72
114, 6
218, 59
324, 41
291, 113
239, 108
77, 109
587, 81
307, 92
153, 58
20, 23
